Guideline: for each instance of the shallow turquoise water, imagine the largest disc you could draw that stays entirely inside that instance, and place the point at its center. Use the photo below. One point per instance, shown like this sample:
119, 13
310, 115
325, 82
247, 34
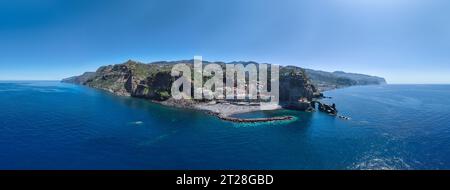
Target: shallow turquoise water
50, 125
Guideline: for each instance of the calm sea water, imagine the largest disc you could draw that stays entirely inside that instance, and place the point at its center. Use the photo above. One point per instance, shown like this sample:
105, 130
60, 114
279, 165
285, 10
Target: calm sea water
50, 125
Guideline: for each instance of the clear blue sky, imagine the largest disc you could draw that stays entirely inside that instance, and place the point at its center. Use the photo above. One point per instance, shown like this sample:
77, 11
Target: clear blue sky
405, 41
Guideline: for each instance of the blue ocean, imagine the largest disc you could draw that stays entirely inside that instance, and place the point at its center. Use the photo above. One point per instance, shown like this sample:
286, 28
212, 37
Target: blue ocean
52, 125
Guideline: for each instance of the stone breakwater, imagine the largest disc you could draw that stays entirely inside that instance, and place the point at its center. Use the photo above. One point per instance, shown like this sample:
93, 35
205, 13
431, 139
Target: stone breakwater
251, 120
225, 111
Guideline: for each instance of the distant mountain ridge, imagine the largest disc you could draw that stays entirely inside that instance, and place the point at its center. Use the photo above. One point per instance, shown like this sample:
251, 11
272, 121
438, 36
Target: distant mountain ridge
338, 79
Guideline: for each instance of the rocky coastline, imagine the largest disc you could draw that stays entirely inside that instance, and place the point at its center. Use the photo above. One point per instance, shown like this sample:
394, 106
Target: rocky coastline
153, 82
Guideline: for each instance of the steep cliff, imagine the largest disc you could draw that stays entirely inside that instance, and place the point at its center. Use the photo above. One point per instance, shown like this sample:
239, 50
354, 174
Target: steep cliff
294, 86
151, 81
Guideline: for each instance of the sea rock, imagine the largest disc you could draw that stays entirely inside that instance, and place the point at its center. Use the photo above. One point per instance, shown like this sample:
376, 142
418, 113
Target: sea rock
330, 109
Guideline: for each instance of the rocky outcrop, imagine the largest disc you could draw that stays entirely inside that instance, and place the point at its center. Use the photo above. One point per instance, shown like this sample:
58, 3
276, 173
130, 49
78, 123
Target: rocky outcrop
330, 109
296, 90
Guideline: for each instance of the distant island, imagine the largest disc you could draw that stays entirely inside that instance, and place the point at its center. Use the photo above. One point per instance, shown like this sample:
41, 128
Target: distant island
300, 88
